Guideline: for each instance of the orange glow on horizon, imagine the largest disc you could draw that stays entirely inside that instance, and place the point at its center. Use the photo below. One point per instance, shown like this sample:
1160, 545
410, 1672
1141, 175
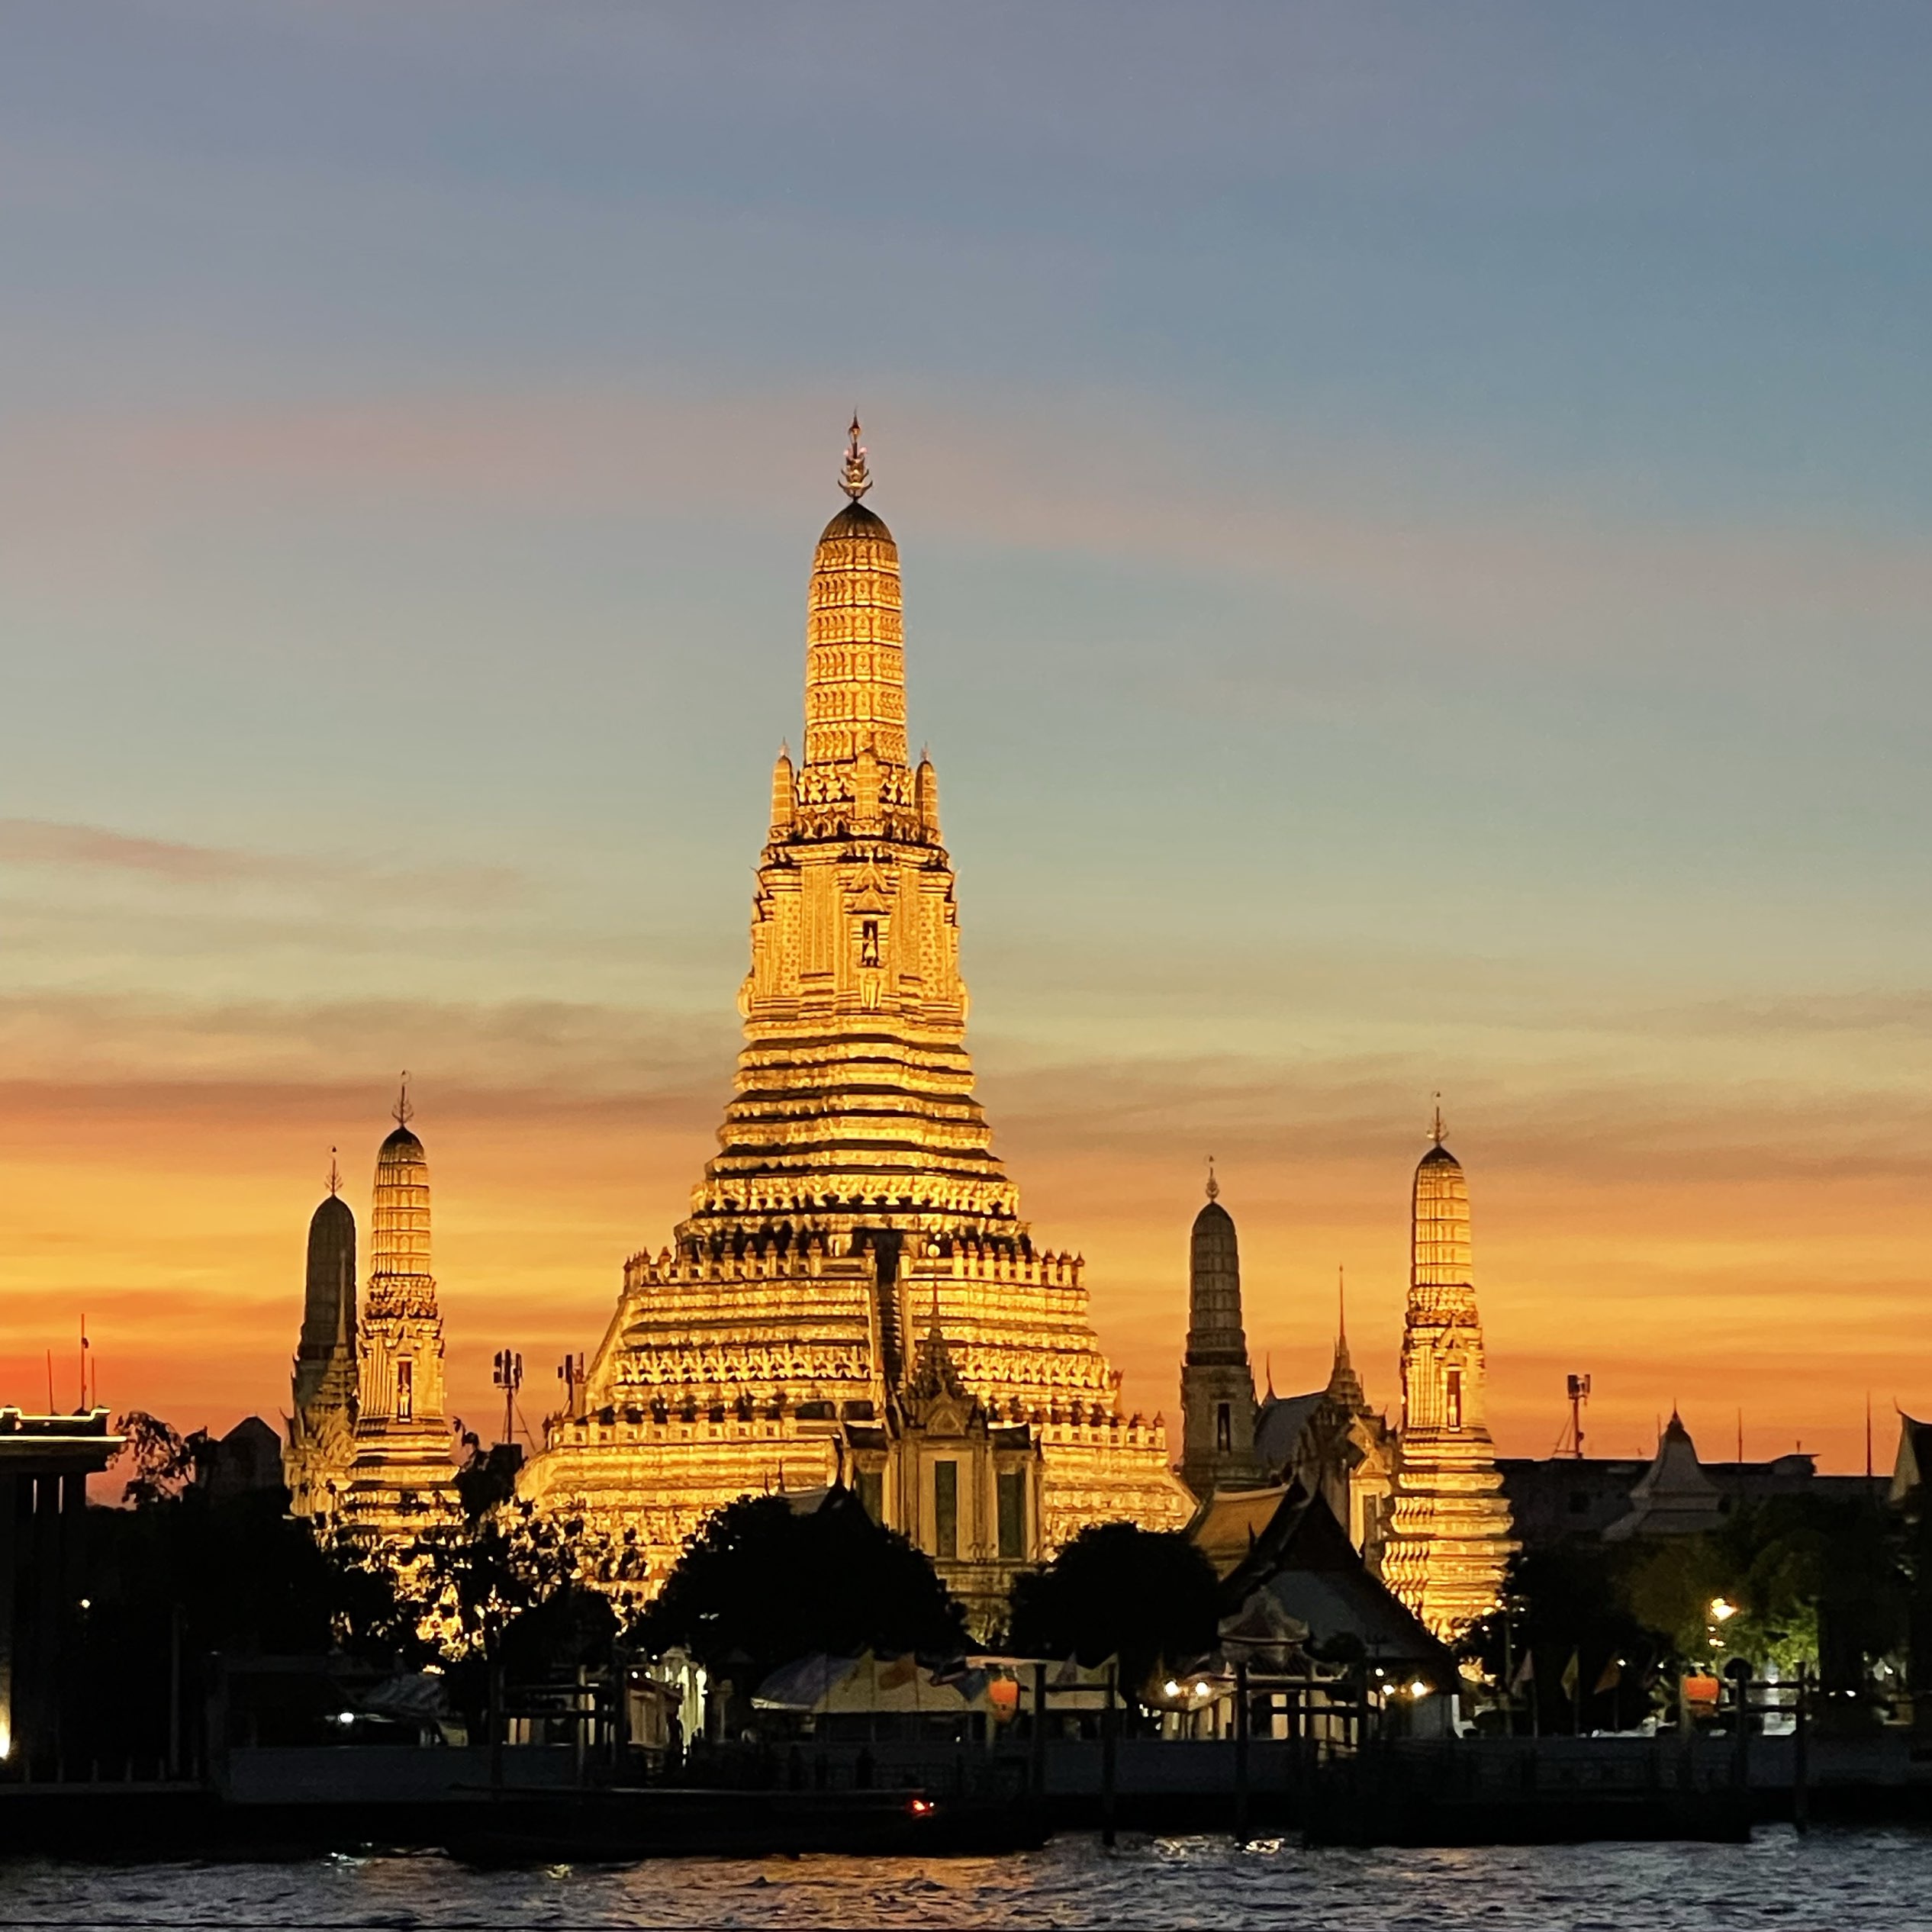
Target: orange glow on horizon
175, 1216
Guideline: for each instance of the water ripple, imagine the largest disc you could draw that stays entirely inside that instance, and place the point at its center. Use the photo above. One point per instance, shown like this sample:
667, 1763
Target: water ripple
1873, 1881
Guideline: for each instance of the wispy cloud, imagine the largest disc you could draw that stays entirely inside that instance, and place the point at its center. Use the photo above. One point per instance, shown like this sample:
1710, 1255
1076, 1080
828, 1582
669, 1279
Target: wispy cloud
1492, 556
87, 848
557, 1048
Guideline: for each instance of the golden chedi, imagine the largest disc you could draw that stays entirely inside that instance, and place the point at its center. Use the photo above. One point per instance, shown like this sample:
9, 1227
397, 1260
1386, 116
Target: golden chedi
322, 1425
854, 1218
401, 1481
1448, 1543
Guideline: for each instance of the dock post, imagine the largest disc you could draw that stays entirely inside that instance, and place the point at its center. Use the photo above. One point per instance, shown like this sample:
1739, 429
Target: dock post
174, 1621
1038, 1768
1739, 1671
1241, 1727
1107, 1722
495, 1721
1801, 1768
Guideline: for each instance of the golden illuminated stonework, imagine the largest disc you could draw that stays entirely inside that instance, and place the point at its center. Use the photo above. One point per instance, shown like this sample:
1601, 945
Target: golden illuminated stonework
402, 1479
322, 1427
1448, 1543
855, 1203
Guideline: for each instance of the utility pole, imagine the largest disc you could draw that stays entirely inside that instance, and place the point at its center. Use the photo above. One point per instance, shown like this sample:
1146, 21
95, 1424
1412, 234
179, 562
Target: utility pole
509, 1379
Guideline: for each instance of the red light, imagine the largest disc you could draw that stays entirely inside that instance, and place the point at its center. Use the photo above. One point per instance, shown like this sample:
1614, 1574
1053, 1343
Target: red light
919, 1807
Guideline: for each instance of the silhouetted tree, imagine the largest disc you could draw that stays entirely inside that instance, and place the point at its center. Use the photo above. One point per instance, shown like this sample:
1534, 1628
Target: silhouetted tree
762, 1584
176, 1579
486, 1479
1564, 1598
481, 1578
1148, 1596
157, 1463
1809, 1580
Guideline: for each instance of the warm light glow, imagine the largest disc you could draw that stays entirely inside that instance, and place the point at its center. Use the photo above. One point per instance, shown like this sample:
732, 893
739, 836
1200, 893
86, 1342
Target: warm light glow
1449, 1537
1722, 1612
760, 1323
1418, 1689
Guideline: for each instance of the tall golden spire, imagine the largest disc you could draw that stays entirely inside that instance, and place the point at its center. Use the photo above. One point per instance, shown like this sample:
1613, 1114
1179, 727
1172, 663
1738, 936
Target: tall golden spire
854, 1187
401, 1478
399, 1246
1449, 1531
1439, 1252
855, 641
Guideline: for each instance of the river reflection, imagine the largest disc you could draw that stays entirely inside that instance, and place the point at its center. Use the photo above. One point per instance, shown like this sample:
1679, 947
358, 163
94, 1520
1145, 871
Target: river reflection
1832, 1882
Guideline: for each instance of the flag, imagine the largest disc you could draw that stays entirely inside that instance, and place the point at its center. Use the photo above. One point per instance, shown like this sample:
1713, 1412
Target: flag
1612, 1676
1571, 1675
1525, 1671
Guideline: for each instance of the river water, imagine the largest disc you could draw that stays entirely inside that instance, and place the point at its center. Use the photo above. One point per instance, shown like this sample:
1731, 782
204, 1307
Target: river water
1833, 1881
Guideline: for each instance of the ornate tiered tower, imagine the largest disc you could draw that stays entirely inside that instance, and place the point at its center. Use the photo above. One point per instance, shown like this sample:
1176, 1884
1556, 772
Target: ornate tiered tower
1217, 1384
855, 1189
1448, 1540
322, 1430
402, 1480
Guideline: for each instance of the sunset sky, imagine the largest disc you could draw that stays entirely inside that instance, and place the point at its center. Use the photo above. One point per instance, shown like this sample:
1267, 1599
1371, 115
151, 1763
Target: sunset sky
1414, 524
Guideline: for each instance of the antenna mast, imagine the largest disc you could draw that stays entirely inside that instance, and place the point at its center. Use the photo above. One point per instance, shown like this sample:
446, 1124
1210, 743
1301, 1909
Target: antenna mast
1578, 1389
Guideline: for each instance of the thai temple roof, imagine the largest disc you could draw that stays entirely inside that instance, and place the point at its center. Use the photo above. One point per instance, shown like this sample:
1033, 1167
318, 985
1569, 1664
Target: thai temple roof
1225, 1527
1673, 1497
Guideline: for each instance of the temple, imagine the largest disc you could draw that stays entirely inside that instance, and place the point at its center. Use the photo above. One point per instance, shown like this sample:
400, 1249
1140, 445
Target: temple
1337, 1445
1217, 1382
854, 1285
1448, 1537
322, 1428
369, 1443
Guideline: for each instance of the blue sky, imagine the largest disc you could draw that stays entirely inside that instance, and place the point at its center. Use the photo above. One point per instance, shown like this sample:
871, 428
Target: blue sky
1414, 527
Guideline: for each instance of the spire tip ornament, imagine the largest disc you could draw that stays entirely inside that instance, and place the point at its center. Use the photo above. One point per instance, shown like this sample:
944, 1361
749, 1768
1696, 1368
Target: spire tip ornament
403, 1111
1213, 1185
335, 1173
1438, 1131
857, 479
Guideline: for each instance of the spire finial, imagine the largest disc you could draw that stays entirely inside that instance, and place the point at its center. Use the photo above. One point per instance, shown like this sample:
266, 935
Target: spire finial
1437, 1130
403, 1110
1213, 1185
335, 1174
1342, 1306
857, 479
